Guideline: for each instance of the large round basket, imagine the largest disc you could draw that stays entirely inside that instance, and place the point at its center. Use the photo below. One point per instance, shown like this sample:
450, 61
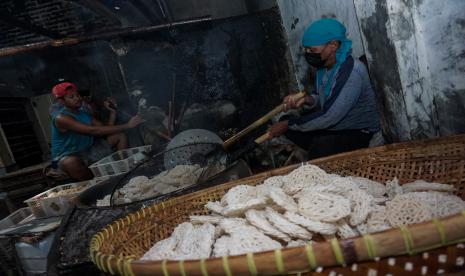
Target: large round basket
432, 247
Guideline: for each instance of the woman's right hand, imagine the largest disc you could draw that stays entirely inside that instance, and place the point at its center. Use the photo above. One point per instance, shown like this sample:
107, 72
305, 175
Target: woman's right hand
135, 121
290, 102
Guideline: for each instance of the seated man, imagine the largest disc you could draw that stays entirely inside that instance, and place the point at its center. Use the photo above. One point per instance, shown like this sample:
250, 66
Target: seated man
74, 129
343, 114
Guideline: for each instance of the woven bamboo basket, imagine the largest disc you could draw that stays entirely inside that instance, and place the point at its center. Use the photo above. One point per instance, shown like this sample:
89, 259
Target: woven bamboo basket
432, 247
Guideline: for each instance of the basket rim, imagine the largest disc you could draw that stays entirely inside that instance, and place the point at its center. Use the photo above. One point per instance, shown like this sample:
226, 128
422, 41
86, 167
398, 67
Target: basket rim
336, 252
60, 188
442, 232
98, 163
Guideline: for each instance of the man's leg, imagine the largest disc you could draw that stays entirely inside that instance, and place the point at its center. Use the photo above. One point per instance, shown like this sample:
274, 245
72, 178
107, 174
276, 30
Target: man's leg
75, 168
118, 141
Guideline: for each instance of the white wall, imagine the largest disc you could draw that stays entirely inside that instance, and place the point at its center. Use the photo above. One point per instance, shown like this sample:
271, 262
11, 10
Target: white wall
297, 15
441, 25
416, 53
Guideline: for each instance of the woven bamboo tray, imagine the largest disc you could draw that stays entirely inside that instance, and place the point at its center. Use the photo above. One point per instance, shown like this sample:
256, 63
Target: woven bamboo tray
117, 248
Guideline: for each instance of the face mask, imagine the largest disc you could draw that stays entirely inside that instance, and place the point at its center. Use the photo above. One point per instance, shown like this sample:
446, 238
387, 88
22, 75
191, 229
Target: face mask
314, 59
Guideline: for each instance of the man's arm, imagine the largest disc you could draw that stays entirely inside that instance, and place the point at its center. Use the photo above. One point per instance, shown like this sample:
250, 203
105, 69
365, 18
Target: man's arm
110, 105
112, 118
67, 123
96, 122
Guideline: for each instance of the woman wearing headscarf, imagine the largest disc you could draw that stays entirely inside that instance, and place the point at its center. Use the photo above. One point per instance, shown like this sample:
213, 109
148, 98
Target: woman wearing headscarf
343, 114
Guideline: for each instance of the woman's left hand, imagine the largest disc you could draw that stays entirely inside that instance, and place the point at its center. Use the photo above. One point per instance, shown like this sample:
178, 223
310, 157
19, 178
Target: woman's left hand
278, 128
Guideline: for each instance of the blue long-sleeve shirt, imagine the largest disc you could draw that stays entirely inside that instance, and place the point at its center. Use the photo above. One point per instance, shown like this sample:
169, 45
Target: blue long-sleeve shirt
354, 108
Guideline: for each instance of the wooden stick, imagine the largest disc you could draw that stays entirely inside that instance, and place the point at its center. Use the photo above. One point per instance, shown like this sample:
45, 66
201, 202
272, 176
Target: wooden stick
169, 118
260, 121
102, 36
263, 138
173, 105
187, 99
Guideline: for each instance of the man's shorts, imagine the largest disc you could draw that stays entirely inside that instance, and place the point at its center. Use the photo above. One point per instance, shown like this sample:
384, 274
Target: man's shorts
99, 149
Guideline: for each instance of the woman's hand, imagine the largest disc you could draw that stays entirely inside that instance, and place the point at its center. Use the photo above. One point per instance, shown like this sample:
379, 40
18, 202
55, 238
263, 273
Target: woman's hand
278, 128
290, 102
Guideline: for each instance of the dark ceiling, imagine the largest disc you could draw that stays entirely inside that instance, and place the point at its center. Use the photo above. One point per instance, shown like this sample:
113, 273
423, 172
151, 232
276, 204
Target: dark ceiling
28, 21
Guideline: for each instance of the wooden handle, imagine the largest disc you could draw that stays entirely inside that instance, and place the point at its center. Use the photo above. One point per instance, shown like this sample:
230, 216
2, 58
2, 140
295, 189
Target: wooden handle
260, 121
263, 138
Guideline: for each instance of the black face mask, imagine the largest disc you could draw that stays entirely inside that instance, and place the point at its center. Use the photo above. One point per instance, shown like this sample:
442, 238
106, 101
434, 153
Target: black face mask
314, 59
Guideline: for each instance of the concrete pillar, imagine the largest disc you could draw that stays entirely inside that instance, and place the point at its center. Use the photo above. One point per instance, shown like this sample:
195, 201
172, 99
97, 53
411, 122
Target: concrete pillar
416, 55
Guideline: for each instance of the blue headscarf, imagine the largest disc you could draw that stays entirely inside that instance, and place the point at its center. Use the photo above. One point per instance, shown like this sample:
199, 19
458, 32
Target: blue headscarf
322, 32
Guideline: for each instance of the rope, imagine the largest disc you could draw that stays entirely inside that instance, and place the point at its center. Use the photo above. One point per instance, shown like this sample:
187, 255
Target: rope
442, 232
109, 265
226, 267
127, 268
203, 267
181, 268
311, 256
370, 246
119, 266
337, 251
278, 257
251, 264
99, 240
92, 252
100, 261
164, 268
96, 260
117, 225
408, 240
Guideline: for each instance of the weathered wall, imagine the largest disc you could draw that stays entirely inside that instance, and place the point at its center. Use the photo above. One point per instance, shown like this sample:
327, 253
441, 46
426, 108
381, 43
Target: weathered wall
416, 56
297, 15
235, 66
92, 66
382, 61
444, 43
183, 9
